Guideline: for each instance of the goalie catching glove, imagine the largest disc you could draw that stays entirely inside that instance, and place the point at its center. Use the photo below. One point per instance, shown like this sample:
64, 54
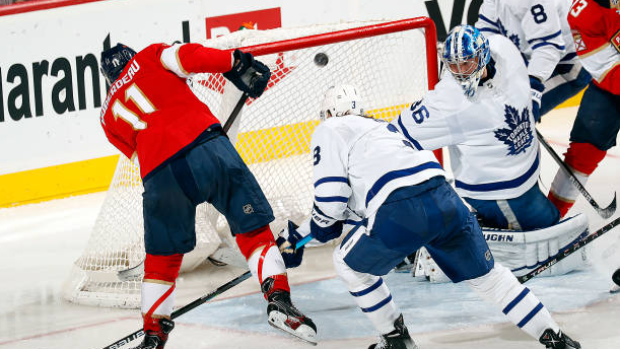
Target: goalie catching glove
248, 74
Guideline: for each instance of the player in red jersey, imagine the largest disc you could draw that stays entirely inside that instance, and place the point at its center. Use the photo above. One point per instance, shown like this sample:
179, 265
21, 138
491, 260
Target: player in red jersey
186, 159
596, 32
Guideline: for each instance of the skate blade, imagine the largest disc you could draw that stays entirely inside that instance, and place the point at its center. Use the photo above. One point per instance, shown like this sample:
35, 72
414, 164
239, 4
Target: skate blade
615, 290
303, 332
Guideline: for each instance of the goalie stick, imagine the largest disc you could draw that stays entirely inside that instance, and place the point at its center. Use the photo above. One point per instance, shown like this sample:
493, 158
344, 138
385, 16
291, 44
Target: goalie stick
207, 297
569, 250
603, 212
136, 272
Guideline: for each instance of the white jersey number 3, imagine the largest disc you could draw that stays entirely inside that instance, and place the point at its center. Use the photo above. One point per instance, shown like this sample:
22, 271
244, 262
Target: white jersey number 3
119, 110
578, 6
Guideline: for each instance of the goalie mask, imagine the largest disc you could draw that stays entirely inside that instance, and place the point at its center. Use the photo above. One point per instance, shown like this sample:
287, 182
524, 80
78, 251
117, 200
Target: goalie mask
465, 54
114, 60
341, 100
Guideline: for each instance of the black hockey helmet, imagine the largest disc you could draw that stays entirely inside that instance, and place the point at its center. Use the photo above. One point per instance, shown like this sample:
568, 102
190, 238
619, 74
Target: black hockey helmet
114, 60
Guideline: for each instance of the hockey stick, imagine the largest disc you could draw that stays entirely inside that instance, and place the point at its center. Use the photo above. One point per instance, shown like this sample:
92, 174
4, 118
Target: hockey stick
569, 250
603, 212
136, 272
207, 297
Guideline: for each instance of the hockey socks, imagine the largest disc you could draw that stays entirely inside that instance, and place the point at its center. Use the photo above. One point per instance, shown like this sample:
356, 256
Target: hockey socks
371, 295
160, 274
264, 258
582, 158
520, 305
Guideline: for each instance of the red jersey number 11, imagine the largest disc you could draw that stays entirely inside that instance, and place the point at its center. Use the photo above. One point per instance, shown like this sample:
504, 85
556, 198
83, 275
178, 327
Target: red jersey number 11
140, 100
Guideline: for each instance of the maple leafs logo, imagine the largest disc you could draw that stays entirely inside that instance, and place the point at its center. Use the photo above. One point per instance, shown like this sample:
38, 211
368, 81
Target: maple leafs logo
518, 136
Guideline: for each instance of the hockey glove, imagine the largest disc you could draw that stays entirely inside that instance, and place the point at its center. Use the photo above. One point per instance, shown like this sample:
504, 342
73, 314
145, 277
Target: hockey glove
323, 227
287, 243
248, 74
537, 90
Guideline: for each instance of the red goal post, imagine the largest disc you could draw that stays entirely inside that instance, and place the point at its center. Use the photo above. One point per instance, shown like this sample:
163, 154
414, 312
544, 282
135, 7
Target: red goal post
391, 63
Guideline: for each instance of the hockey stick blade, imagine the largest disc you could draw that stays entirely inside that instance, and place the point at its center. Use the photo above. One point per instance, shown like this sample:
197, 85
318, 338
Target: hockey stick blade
603, 212
186, 308
570, 250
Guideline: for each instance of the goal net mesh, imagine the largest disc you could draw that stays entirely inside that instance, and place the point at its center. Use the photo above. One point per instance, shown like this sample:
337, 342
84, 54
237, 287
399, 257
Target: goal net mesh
388, 64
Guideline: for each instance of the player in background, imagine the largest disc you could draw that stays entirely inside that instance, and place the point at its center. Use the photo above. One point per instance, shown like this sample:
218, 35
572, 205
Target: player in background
405, 203
186, 159
481, 110
540, 31
596, 31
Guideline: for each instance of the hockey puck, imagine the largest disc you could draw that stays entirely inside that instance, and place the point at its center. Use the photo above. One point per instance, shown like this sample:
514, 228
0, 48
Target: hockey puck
321, 59
616, 277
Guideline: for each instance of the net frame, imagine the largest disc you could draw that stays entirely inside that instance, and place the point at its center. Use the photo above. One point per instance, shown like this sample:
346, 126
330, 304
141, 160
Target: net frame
94, 279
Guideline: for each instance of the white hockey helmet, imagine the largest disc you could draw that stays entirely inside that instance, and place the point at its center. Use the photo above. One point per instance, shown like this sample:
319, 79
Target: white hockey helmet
341, 100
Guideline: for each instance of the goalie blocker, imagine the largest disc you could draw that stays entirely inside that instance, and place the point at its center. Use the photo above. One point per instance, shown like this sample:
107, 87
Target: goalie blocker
524, 251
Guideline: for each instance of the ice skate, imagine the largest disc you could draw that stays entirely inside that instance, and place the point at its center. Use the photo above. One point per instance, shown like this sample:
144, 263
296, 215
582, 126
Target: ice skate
283, 315
559, 340
397, 339
157, 340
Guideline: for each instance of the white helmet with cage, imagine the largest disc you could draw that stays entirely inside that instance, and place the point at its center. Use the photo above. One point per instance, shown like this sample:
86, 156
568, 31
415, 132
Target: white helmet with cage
341, 100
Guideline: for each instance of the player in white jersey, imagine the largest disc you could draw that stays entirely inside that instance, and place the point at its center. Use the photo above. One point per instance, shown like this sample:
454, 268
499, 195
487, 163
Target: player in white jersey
540, 30
367, 167
481, 111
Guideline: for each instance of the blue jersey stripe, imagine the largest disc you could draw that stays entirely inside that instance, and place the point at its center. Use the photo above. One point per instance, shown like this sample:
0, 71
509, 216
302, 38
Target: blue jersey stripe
386, 178
568, 56
378, 305
331, 199
366, 291
514, 183
545, 38
529, 316
482, 17
490, 30
406, 134
330, 180
545, 43
516, 301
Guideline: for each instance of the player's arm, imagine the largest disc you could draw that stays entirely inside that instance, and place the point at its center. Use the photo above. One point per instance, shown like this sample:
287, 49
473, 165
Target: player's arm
186, 60
543, 32
488, 22
331, 185
432, 123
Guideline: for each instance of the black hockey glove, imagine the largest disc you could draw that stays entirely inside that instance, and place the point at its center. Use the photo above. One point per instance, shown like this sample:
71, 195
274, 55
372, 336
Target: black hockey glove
248, 74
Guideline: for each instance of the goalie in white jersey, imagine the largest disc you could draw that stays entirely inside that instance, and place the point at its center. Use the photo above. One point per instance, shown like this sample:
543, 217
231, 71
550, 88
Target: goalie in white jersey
367, 167
481, 111
540, 30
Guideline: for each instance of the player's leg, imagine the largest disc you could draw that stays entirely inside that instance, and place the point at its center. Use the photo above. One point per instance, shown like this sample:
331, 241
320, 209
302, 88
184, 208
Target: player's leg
232, 189
169, 228
593, 133
463, 254
567, 80
532, 210
363, 257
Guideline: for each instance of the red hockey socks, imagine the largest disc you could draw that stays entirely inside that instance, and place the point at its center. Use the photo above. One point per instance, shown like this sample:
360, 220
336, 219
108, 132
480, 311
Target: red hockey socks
264, 258
582, 158
160, 274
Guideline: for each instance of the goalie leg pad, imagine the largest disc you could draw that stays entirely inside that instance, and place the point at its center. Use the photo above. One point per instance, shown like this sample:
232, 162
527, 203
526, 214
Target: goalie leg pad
523, 251
371, 295
158, 285
520, 305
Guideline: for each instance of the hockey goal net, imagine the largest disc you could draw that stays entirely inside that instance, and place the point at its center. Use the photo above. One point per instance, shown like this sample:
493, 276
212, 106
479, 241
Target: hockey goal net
391, 64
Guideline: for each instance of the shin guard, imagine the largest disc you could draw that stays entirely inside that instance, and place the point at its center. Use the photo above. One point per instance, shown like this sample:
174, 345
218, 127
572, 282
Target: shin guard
582, 158
160, 274
264, 259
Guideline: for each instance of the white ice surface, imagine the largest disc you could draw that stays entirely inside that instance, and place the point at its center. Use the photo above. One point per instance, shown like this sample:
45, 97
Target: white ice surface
39, 242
